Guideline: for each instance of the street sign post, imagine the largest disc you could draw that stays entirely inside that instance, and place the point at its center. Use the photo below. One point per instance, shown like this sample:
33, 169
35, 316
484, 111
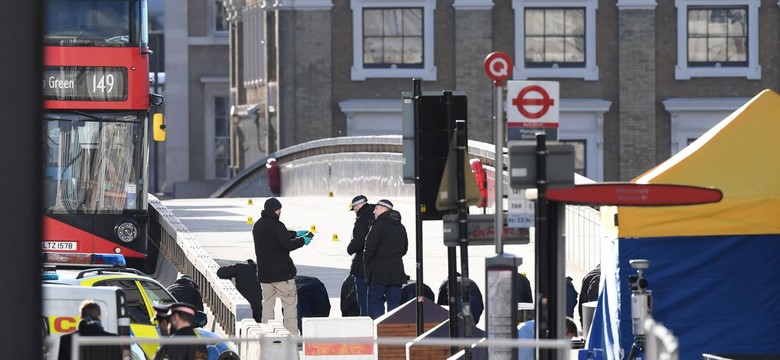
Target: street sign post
498, 67
481, 231
532, 106
559, 159
520, 210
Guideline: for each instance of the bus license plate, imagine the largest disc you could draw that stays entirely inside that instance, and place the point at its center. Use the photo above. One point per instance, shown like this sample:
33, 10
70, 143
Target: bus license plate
60, 245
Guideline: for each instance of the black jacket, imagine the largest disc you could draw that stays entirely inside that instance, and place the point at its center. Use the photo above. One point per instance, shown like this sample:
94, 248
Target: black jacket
363, 220
273, 244
89, 327
182, 352
386, 244
246, 280
183, 291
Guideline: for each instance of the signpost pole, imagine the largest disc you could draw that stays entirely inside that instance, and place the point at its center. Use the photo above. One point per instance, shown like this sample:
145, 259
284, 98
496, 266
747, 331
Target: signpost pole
418, 224
452, 258
499, 167
500, 271
463, 214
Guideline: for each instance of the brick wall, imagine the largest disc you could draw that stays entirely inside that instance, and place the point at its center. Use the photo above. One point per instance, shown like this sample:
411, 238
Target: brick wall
636, 57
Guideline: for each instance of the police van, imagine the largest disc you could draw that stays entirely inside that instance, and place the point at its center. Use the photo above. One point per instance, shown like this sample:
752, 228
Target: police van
141, 293
61, 312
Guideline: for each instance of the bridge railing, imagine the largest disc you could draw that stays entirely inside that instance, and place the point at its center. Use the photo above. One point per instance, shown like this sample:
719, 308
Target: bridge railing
178, 245
342, 165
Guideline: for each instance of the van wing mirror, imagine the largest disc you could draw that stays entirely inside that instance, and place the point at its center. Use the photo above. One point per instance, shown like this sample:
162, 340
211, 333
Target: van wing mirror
158, 127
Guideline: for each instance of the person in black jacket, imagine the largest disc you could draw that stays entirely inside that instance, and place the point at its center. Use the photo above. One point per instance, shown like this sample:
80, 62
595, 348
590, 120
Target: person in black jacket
275, 268
245, 274
363, 218
589, 290
386, 244
181, 317
186, 290
89, 326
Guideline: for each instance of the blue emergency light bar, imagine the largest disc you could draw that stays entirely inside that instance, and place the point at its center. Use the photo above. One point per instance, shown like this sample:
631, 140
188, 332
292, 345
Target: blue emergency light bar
64, 259
109, 259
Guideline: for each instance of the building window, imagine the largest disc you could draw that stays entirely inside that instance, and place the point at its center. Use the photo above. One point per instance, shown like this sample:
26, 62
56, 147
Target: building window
717, 36
221, 137
692, 117
220, 17
253, 46
580, 155
717, 39
555, 39
393, 39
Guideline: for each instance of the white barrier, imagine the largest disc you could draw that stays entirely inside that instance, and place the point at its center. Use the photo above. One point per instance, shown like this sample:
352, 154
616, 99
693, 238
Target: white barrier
359, 327
273, 340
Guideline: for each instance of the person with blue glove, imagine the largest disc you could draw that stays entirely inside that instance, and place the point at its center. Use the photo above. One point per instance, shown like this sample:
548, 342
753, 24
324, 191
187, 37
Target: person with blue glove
306, 235
275, 268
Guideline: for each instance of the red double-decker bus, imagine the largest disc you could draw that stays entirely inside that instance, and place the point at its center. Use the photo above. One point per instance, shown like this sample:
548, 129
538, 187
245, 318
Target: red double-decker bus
99, 119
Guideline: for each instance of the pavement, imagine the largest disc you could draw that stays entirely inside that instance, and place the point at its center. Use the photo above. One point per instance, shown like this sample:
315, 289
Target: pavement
223, 227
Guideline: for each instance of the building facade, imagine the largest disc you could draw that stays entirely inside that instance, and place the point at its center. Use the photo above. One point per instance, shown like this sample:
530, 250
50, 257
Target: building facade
194, 159
639, 79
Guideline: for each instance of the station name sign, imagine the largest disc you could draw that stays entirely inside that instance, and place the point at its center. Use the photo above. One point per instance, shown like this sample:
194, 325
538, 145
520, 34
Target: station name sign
85, 83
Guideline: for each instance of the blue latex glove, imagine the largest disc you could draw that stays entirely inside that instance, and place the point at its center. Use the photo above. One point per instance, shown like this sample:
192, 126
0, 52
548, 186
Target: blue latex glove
301, 233
306, 240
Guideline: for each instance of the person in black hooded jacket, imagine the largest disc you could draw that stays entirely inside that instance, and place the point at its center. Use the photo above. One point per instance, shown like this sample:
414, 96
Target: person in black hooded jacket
275, 268
245, 275
363, 218
386, 244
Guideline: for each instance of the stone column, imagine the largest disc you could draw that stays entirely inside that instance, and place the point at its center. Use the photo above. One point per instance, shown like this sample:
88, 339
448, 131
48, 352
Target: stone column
636, 79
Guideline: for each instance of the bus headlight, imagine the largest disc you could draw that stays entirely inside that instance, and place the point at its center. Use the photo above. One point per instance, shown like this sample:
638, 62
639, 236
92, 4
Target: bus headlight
127, 231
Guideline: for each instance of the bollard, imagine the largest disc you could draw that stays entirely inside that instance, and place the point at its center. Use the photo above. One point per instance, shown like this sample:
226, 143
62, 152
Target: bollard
335, 237
249, 220
313, 228
249, 202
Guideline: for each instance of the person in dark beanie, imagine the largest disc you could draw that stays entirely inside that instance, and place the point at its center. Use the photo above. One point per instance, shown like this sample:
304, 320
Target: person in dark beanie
245, 275
185, 290
363, 218
386, 244
275, 268
89, 325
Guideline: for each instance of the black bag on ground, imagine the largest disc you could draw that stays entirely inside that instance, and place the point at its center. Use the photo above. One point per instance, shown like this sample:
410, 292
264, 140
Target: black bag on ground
313, 300
349, 305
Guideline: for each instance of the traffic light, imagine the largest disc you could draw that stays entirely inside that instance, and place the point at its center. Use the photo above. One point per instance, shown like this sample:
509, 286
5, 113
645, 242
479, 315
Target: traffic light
433, 133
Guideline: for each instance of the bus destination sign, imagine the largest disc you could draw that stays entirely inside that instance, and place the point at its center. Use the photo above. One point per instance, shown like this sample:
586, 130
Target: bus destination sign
85, 83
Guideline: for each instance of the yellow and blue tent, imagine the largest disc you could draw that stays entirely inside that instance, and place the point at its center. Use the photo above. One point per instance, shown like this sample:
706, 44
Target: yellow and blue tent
714, 268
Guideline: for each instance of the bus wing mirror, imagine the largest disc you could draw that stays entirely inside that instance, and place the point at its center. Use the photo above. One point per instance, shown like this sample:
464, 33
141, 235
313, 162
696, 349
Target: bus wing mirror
158, 126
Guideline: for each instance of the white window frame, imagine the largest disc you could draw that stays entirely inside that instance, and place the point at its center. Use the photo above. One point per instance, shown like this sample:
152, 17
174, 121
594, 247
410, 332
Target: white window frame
692, 117
583, 119
372, 117
683, 72
589, 72
213, 21
360, 73
253, 43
